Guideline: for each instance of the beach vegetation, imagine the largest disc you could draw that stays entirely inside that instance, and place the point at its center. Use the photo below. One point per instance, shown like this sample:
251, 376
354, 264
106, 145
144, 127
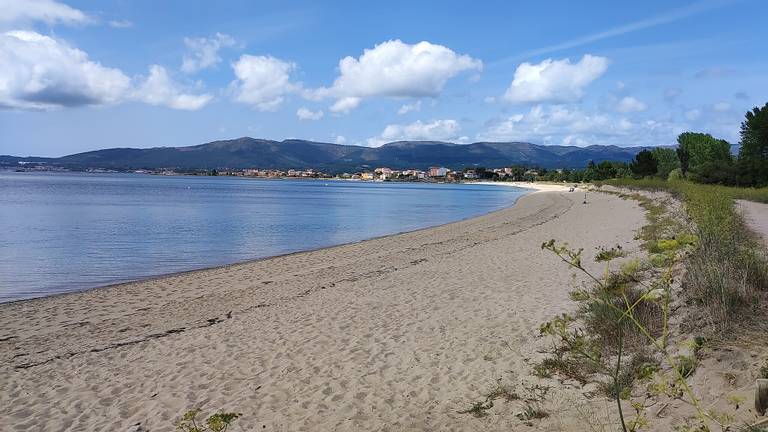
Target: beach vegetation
604, 254
479, 409
533, 403
621, 327
502, 391
218, 422
620, 330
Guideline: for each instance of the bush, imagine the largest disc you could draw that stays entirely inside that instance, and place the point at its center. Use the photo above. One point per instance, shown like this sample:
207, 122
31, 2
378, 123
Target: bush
675, 174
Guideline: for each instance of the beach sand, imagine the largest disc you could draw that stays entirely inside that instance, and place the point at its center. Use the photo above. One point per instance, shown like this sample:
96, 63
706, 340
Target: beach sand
391, 334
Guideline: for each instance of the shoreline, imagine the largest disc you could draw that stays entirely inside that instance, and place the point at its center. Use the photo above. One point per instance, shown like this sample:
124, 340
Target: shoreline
117, 284
399, 332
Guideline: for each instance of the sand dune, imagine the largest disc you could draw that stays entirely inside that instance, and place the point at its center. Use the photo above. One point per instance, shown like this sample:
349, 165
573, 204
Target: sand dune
391, 334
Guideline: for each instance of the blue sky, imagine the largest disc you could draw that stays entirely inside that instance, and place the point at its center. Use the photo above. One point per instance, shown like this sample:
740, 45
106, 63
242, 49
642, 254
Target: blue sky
84, 75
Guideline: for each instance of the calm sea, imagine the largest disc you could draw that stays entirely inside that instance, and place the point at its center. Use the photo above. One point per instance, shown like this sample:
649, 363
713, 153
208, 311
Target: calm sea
68, 232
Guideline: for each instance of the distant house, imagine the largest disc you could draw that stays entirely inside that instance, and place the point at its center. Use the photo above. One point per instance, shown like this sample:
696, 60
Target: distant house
384, 173
438, 171
470, 174
366, 176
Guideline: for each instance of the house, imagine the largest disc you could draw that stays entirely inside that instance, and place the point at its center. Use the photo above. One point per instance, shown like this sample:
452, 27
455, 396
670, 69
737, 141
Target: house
438, 171
366, 176
470, 174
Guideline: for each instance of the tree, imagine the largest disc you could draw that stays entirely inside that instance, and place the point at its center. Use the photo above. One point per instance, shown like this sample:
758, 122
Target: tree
705, 158
753, 155
667, 161
683, 156
590, 172
644, 164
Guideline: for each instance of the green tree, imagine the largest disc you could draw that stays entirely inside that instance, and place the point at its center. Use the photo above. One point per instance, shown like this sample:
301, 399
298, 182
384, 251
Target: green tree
644, 164
753, 155
704, 158
590, 173
667, 161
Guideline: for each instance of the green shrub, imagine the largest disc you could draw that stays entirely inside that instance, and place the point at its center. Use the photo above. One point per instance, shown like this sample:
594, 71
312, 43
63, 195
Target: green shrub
218, 422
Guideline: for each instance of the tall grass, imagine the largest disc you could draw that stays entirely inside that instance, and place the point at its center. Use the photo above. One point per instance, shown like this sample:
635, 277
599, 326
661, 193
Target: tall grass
727, 272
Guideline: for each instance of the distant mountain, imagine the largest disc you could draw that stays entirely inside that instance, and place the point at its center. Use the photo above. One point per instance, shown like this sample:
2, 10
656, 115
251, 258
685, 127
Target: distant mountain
299, 154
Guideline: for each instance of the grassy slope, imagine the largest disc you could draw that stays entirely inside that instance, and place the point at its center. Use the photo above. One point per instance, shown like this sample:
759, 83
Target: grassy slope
727, 272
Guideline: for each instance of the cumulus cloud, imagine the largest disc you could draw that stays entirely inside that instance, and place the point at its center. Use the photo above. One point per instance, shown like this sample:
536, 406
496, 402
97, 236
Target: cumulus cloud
39, 72
339, 139
345, 105
395, 69
406, 108
436, 130
262, 81
47, 11
306, 114
554, 80
159, 89
203, 53
559, 124
629, 104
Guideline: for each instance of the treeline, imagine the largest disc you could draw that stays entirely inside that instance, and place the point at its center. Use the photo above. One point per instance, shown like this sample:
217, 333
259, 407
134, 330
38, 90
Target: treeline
698, 157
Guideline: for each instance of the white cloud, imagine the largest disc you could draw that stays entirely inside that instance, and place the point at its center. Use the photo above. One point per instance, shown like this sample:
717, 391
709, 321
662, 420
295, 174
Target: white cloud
306, 114
406, 108
345, 105
629, 104
436, 130
121, 24
559, 124
204, 52
395, 69
554, 80
339, 139
39, 72
160, 89
262, 81
47, 11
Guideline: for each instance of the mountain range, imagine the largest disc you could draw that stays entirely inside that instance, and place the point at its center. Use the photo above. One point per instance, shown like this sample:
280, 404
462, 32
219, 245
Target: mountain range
249, 152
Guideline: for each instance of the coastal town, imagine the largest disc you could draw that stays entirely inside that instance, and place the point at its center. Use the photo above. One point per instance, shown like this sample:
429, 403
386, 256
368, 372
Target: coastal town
432, 174
435, 173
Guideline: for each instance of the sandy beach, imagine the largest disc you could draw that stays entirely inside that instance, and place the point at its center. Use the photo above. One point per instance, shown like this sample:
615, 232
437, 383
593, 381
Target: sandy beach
392, 334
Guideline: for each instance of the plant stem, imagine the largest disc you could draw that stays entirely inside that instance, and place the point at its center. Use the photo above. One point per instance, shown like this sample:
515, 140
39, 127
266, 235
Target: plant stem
616, 377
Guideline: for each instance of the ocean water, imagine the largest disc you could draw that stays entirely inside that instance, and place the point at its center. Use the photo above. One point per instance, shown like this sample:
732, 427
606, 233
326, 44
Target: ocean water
62, 232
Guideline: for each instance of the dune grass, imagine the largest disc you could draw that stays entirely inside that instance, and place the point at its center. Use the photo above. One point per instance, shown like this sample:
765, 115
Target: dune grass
726, 272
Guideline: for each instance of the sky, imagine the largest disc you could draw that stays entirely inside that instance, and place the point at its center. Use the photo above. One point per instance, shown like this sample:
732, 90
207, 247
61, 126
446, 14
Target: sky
84, 75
